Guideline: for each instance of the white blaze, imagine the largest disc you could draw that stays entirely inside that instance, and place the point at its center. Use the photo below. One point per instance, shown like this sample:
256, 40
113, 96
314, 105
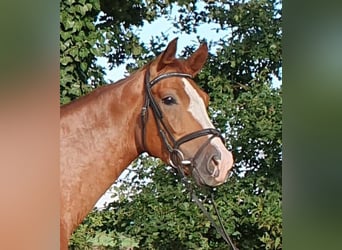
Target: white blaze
197, 106
198, 110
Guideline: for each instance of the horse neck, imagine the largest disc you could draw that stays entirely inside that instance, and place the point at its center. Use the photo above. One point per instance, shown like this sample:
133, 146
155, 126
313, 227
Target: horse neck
99, 138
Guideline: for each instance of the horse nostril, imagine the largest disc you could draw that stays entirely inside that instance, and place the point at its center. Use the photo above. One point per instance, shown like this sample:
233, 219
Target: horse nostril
216, 160
213, 166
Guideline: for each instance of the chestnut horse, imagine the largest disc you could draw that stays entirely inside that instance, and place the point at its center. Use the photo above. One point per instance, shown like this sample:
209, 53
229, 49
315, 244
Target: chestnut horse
158, 109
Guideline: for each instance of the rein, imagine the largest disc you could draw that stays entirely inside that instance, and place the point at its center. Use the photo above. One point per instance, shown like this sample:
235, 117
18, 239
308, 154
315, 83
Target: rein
219, 228
177, 159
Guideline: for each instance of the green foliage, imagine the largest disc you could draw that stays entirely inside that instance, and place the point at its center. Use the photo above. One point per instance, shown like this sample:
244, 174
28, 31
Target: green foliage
93, 28
151, 210
80, 44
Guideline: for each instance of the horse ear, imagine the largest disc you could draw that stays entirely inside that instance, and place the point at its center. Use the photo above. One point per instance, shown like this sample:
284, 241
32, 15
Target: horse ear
168, 55
196, 61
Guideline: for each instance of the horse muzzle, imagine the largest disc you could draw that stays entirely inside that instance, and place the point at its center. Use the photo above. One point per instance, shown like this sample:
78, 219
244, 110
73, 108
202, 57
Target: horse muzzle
211, 163
212, 166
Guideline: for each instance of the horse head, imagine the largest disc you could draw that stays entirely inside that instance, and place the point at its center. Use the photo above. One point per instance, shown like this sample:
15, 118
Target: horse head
178, 129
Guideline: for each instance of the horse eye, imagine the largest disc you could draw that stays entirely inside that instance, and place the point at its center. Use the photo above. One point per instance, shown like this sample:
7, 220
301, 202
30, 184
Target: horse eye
169, 100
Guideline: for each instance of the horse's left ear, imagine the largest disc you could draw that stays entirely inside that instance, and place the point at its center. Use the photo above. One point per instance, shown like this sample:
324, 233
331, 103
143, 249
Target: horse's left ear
196, 61
168, 55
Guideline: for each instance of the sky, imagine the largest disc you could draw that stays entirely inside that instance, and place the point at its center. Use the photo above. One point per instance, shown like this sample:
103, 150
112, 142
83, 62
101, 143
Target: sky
160, 25
156, 28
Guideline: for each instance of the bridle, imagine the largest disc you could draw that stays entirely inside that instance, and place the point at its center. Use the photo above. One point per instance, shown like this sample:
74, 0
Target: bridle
172, 145
177, 159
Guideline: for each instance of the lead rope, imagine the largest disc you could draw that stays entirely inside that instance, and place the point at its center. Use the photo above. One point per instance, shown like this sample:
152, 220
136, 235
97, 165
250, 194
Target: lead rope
220, 229
226, 236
